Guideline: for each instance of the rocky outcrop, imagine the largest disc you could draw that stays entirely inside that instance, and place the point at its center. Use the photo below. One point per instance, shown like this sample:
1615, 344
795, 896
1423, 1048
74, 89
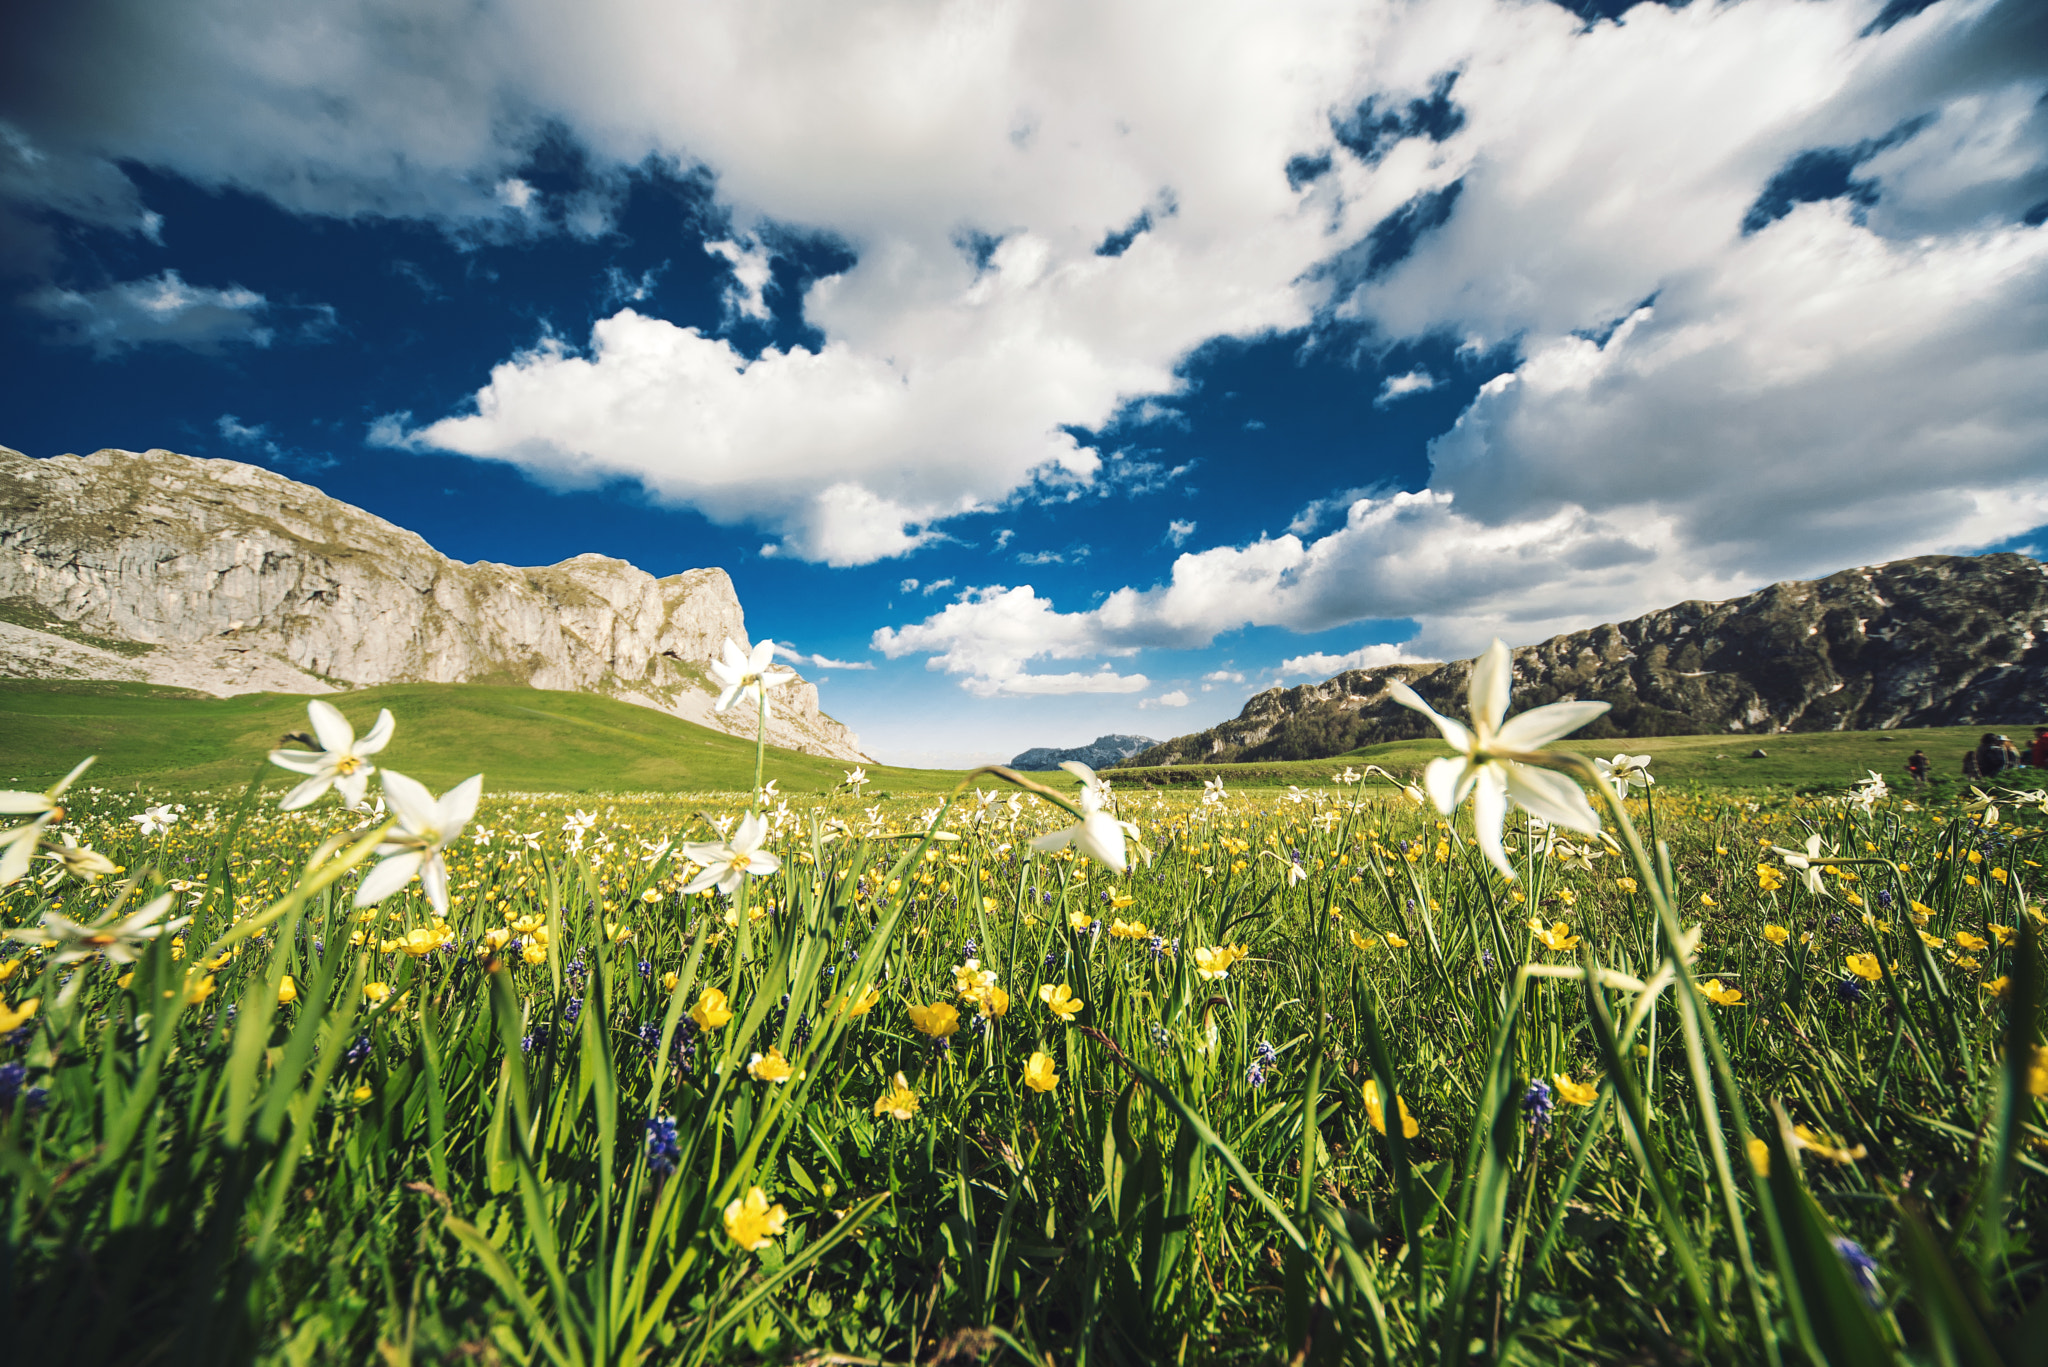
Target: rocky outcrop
229, 578
1940, 640
1100, 754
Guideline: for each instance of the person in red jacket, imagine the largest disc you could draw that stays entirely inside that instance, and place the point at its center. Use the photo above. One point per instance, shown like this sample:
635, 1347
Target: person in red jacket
2039, 755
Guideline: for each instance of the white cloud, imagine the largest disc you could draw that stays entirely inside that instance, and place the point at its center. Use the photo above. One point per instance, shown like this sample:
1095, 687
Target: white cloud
747, 296
1178, 532
907, 586
159, 309
937, 586
1399, 386
798, 657
1322, 666
1223, 676
1174, 699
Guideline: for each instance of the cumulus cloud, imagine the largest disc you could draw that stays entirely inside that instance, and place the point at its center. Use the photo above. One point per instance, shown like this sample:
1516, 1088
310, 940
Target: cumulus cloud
1176, 698
747, 295
784, 650
1400, 386
158, 310
1322, 666
1178, 532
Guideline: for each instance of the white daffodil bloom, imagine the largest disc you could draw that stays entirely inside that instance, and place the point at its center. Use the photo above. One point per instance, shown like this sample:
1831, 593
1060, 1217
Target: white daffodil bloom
122, 940
1803, 862
1486, 766
341, 762
745, 676
1624, 772
425, 828
77, 861
18, 846
155, 820
724, 865
1870, 791
1100, 835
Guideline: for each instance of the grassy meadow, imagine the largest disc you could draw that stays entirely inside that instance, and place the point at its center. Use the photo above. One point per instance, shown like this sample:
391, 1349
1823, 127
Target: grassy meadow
1314, 1083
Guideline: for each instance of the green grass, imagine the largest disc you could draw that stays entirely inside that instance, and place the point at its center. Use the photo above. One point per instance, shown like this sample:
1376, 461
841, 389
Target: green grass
522, 739
1801, 761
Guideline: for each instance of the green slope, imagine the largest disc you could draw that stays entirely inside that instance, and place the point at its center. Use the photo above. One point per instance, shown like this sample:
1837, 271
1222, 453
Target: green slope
522, 739
1792, 759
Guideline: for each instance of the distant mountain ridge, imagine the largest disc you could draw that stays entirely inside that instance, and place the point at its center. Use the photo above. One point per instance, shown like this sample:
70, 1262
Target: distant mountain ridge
1938, 640
1100, 754
229, 578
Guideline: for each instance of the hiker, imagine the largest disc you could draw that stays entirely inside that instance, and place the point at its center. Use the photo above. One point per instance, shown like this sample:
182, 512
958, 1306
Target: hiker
1990, 756
2011, 752
2039, 753
1969, 764
1917, 765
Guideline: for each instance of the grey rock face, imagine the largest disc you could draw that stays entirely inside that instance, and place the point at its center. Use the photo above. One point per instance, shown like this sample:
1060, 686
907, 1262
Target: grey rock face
239, 579
1100, 754
1940, 640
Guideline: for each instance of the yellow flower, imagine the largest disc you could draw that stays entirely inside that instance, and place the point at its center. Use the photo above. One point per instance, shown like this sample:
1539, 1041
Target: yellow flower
1719, 995
1808, 1139
1760, 1156
1625, 884
376, 992
1360, 943
1039, 1074
860, 1005
1998, 986
9, 968
1932, 941
1215, 963
1375, 1114
898, 1102
2002, 934
362, 1093
1577, 1093
1396, 941
1061, 1001
669, 980
1707, 901
711, 1010
1769, 878
1129, 930
970, 980
534, 951
2037, 1072
1080, 920
752, 1223
287, 990
937, 1020
1777, 935
1864, 966
1971, 943
198, 990
12, 1018
770, 1067
994, 1003
1558, 937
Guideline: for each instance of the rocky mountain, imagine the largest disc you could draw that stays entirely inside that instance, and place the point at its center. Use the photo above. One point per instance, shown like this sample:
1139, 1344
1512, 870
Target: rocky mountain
1099, 754
1940, 640
229, 578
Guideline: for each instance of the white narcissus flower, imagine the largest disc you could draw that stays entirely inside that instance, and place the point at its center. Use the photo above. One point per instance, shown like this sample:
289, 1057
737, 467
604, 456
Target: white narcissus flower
1100, 835
724, 865
1804, 865
341, 762
155, 820
425, 828
744, 676
1624, 772
78, 861
1487, 766
122, 940
18, 846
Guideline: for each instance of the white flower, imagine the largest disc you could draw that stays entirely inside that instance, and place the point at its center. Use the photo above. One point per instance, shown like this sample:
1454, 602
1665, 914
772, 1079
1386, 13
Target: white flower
155, 820
1870, 791
1349, 776
1100, 835
425, 828
744, 676
1624, 772
1487, 766
856, 779
122, 941
724, 865
81, 863
1808, 870
341, 762
18, 846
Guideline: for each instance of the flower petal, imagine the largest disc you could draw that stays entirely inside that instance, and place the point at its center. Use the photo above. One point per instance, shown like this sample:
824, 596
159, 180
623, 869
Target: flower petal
1489, 810
1447, 780
753, 830
1539, 726
333, 730
1551, 796
389, 876
302, 761
305, 794
1452, 731
1102, 838
22, 804
1492, 674
707, 878
380, 734
1044, 844
434, 880
412, 802
457, 806
763, 655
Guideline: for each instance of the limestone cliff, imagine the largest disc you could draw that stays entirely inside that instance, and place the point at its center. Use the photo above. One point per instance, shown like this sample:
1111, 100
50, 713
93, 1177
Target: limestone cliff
229, 578
1941, 640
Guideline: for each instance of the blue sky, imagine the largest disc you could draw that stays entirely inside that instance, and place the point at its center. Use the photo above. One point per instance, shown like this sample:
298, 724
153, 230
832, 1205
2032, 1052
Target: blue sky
1041, 371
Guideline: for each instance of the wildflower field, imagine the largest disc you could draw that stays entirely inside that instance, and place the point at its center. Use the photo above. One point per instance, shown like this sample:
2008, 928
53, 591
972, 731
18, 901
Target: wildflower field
1020, 1074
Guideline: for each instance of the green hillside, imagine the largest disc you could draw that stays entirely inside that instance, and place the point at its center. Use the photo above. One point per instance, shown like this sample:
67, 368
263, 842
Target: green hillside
1792, 759
522, 739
